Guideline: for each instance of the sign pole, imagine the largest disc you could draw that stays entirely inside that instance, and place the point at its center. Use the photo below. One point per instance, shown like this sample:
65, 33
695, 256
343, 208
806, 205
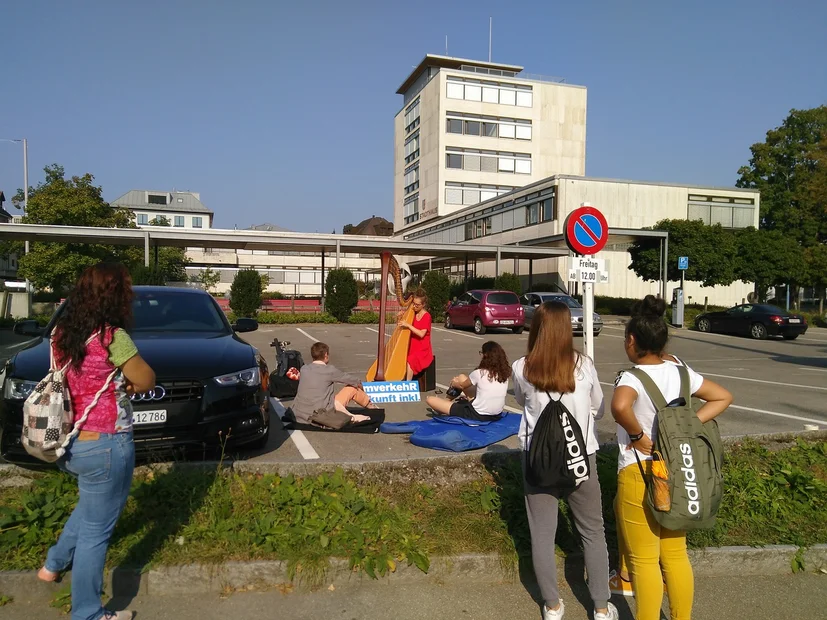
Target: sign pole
588, 317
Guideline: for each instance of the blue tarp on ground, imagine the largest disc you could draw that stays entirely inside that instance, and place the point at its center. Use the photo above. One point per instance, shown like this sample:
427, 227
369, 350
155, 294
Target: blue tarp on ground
455, 434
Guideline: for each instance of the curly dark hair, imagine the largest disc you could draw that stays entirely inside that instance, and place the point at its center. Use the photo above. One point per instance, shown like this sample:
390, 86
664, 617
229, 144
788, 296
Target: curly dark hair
101, 300
495, 362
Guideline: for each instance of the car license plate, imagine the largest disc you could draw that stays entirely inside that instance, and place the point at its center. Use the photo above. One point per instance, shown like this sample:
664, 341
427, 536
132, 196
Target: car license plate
506, 322
149, 417
795, 320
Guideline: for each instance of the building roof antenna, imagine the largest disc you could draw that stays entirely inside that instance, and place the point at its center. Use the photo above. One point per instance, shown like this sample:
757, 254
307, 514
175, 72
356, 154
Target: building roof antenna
490, 31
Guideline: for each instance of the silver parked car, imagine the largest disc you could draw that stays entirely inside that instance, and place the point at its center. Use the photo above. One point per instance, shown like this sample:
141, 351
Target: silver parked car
530, 302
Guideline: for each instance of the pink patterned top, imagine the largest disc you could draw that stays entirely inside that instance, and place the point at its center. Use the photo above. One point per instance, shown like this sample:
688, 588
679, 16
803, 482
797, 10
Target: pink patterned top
113, 412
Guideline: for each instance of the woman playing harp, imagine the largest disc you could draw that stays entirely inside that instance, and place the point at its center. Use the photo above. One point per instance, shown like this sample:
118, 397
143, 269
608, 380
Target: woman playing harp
420, 353
392, 358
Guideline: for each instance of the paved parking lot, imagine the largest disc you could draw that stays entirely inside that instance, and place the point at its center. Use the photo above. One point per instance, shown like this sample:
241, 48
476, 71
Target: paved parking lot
778, 385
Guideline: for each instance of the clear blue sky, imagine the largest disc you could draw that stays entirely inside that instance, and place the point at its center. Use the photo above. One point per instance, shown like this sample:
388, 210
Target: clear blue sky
283, 112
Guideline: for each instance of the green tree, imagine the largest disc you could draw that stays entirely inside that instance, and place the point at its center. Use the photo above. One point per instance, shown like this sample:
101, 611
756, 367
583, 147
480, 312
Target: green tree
208, 278
790, 170
160, 220
816, 259
76, 201
509, 282
245, 293
768, 258
341, 293
437, 286
711, 251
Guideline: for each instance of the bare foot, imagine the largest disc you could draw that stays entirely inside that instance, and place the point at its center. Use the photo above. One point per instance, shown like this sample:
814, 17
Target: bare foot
371, 406
46, 575
359, 418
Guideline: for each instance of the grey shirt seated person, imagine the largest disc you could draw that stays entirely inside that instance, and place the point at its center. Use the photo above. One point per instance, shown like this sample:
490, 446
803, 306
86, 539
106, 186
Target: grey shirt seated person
315, 391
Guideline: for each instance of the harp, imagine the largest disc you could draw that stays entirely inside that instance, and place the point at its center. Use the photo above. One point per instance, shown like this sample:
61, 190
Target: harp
392, 357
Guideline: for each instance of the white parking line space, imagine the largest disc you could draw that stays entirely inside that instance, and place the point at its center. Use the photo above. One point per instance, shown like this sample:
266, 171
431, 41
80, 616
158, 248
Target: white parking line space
457, 332
299, 440
306, 334
753, 410
815, 369
792, 385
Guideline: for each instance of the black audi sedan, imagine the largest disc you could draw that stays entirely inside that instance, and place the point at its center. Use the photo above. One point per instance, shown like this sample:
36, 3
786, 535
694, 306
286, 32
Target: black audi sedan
211, 385
755, 320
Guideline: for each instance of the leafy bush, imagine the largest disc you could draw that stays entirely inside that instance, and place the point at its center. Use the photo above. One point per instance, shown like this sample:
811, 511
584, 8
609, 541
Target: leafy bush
482, 283
438, 288
368, 317
245, 293
273, 295
286, 318
147, 276
814, 319
509, 282
542, 287
341, 293
46, 297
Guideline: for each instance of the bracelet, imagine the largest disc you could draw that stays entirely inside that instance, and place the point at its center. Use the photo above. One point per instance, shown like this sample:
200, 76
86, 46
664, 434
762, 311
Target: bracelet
637, 437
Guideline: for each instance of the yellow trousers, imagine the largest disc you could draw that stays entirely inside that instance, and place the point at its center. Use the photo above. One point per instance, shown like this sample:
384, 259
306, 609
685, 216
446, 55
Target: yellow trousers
646, 548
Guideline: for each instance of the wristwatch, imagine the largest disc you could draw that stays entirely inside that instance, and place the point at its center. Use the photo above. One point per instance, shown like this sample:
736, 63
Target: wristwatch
637, 437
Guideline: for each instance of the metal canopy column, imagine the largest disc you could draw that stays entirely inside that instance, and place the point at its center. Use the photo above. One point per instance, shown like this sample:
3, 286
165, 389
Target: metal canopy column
660, 266
665, 267
497, 264
530, 272
338, 251
322, 278
146, 250
465, 275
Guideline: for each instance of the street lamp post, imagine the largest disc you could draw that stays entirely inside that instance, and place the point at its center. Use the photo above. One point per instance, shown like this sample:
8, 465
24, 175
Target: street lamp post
25, 144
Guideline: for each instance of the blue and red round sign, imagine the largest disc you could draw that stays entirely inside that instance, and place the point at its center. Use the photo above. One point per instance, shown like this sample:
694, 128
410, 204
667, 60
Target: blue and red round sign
586, 230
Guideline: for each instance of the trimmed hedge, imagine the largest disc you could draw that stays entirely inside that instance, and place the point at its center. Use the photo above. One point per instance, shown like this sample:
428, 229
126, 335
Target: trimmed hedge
286, 318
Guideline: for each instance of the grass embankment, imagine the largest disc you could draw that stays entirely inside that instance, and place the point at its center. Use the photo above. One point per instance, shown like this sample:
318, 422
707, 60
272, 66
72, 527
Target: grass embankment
185, 515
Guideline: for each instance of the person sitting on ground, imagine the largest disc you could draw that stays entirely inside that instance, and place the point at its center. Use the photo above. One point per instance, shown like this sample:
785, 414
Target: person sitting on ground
483, 391
315, 390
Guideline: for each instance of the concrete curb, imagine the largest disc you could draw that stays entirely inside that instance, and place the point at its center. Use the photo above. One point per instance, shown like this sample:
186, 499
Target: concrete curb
482, 568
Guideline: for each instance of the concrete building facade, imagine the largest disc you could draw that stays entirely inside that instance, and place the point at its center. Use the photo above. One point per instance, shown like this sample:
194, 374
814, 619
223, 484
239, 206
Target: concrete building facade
469, 131
536, 213
182, 209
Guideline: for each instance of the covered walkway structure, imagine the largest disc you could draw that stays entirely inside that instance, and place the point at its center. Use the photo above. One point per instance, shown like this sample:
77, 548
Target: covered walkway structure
332, 245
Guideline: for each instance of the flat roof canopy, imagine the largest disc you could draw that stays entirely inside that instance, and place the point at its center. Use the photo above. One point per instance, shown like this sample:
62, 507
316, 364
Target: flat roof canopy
265, 240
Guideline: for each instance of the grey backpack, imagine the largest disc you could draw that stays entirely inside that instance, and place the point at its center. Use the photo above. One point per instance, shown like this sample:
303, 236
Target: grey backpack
693, 454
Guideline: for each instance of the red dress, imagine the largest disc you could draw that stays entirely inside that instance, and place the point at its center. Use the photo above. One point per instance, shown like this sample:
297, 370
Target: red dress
420, 354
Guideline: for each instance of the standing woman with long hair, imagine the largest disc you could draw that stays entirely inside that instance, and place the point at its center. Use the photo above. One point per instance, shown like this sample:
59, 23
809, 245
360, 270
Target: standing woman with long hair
420, 353
646, 547
90, 337
553, 369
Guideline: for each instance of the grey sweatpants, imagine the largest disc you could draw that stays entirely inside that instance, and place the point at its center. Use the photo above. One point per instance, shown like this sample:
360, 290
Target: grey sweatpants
587, 510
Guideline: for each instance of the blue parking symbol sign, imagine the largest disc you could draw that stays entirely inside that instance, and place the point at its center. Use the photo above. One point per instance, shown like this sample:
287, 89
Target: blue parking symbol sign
683, 263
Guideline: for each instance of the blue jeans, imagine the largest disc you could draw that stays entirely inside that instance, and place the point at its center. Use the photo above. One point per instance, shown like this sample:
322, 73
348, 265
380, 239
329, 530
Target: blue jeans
104, 469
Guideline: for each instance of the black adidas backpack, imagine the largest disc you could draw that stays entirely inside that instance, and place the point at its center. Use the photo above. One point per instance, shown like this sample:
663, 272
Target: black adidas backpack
556, 457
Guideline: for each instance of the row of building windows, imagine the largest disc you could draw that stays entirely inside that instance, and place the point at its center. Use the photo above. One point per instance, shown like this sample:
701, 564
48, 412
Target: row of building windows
504, 94
469, 194
489, 129
411, 179
412, 148
410, 209
727, 216
412, 116
178, 221
517, 217
481, 161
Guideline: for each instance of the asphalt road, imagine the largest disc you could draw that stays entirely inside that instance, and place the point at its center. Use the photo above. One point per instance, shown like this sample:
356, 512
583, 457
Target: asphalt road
778, 385
757, 598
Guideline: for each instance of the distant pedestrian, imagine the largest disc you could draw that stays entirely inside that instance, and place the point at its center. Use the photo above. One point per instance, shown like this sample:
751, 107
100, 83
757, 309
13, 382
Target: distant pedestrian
646, 547
552, 369
104, 370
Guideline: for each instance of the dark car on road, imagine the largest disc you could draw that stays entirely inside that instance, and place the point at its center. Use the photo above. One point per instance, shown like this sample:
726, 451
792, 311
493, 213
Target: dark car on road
211, 385
755, 320
483, 310
532, 301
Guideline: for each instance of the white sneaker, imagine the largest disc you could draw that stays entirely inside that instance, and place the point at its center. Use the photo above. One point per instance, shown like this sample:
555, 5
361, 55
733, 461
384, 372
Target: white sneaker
609, 615
554, 614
